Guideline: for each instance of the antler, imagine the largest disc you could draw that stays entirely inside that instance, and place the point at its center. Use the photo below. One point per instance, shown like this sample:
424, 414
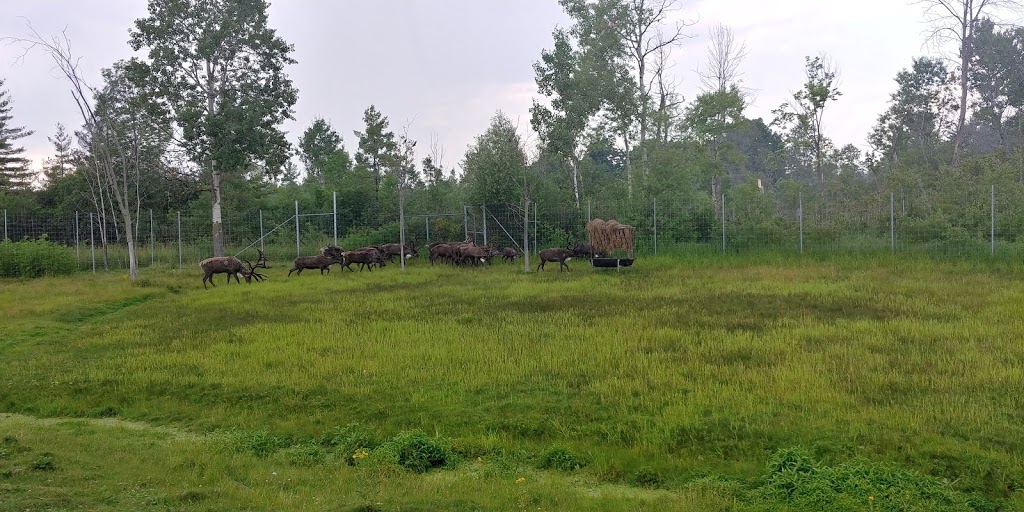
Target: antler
261, 262
252, 271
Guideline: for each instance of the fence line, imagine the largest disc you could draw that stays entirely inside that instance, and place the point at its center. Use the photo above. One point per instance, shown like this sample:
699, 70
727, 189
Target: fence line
970, 223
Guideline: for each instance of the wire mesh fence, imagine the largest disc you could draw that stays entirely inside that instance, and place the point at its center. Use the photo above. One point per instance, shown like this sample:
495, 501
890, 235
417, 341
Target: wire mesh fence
971, 224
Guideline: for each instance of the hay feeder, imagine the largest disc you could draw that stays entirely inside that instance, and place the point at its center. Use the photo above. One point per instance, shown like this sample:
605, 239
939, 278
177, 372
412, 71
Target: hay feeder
609, 236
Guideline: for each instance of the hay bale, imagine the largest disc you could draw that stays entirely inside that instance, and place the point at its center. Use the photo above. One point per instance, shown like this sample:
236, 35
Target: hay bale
606, 236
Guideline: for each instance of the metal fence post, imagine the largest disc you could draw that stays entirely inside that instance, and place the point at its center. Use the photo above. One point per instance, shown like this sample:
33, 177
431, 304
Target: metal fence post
179, 239
589, 217
993, 235
526, 236
262, 248
153, 241
298, 247
336, 218
5, 225
534, 229
401, 226
92, 242
78, 249
800, 212
723, 223
465, 221
892, 222
483, 211
428, 229
655, 226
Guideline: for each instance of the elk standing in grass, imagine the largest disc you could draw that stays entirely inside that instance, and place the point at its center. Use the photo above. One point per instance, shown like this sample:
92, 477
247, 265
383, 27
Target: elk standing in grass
233, 268
392, 250
557, 254
328, 256
365, 257
509, 254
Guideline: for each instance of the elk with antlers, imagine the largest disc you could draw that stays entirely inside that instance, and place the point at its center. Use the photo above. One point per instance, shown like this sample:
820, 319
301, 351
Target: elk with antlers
232, 266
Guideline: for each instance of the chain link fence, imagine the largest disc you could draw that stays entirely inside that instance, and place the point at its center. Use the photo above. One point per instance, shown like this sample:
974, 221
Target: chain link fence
742, 221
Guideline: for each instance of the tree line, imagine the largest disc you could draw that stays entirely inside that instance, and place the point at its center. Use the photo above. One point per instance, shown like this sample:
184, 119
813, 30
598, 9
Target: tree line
194, 124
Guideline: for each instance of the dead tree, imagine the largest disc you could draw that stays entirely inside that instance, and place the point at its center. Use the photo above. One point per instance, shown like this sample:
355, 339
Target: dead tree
955, 21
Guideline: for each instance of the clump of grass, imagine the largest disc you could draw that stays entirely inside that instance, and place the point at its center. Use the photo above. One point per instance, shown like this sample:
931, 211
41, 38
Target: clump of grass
795, 478
45, 462
260, 443
418, 452
350, 441
561, 458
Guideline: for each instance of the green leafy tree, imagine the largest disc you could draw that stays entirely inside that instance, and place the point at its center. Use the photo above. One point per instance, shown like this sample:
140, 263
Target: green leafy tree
495, 165
63, 161
956, 22
804, 114
377, 146
571, 79
14, 167
220, 68
625, 36
998, 77
709, 119
918, 117
317, 147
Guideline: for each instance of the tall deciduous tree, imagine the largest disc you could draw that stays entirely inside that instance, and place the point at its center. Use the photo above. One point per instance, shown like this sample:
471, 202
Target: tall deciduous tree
14, 167
377, 147
998, 77
804, 114
722, 99
571, 79
919, 113
626, 35
956, 22
221, 69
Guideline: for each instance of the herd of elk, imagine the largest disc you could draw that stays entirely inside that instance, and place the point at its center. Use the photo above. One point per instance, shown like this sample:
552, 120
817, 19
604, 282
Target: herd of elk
456, 253
232, 266
465, 253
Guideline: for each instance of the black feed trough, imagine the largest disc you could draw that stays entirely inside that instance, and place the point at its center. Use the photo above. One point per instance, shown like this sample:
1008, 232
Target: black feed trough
612, 262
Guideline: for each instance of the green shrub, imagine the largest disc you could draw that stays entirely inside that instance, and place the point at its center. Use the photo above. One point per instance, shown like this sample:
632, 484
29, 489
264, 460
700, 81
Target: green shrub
349, 440
35, 258
418, 452
795, 478
561, 458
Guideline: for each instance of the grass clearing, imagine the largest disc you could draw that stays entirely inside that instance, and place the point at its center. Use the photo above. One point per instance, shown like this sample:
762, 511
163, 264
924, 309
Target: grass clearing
667, 386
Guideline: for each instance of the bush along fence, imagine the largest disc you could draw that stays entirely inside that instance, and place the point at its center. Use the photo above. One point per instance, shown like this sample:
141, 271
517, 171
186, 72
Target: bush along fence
744, 221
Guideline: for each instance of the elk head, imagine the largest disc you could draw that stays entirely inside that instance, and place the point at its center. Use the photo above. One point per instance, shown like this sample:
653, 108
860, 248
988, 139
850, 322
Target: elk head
251, 273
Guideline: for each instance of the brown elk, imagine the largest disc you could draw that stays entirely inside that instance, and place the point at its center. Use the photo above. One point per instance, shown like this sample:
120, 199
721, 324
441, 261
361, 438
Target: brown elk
392, 250
440, 251
509, 254
583, 250
320, 261
229, 265
557, 254
473, 253
366, 257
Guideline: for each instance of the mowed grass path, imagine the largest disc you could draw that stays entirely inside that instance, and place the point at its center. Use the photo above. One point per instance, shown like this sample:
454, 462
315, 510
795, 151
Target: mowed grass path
678, 371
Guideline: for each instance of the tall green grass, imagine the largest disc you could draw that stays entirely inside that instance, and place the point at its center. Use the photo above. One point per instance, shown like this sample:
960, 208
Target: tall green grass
666, 375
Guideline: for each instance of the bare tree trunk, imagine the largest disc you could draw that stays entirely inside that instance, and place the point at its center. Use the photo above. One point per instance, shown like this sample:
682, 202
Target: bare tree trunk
629, 167
574, 164
218, 223
215, 214
962, 116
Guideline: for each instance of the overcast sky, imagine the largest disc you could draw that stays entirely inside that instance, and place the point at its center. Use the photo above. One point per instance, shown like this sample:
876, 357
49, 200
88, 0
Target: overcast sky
446, 66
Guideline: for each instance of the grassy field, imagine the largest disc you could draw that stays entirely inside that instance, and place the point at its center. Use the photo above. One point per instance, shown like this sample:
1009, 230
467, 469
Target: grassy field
681, 384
